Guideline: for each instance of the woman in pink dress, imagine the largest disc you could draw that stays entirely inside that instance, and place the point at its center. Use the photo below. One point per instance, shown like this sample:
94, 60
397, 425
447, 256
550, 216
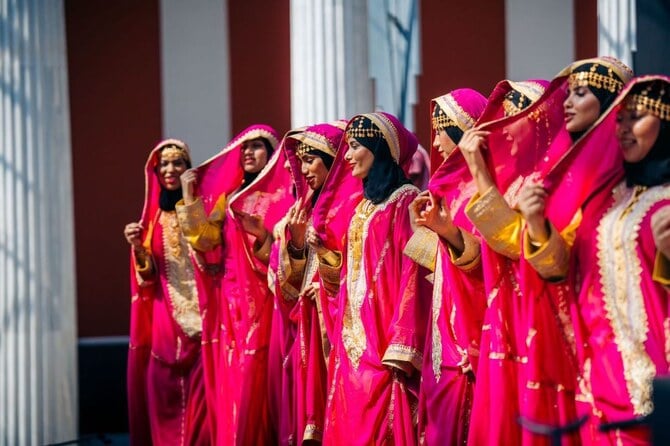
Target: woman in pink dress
529, 337
165, 376
230, 206
620, 265
293, 277
382, 306
440, 244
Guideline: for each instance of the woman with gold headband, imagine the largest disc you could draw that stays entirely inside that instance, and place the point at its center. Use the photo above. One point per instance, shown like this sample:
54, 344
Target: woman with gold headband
230, 202
165, 374
379, 330
293, 277
529, 337
449, 248
622, 269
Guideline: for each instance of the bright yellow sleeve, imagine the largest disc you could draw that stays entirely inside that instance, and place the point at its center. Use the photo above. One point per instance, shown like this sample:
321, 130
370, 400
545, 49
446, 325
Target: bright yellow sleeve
498, 224
422, 247
202, 232
551, 259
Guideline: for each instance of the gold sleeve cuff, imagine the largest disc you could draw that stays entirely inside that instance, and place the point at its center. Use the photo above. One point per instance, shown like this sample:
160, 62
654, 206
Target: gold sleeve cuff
200, 232
331, 258
470, 258
661, 273
403, 357
143, 269
499, 225
262, 252
422, 247
552, 258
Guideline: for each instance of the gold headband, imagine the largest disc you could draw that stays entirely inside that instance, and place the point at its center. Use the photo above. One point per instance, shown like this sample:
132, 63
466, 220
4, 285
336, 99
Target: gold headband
362, 132
171, 152
596, 80
303, 149
642, 102
442, 121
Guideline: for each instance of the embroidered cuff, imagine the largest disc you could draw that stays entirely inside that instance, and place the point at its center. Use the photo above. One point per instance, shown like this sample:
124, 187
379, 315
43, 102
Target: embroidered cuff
403, 357
195, 226
470, 258
661, 273
552, 259
422, 247
499, 225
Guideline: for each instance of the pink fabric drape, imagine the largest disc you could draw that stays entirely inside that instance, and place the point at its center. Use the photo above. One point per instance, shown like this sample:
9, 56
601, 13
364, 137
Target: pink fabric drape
165, 379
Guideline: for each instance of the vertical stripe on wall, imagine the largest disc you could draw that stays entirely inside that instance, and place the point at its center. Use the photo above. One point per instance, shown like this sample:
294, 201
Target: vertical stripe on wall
38, 361
586, 28
115, 104
540, 38
195, 77
260, 63
462, 45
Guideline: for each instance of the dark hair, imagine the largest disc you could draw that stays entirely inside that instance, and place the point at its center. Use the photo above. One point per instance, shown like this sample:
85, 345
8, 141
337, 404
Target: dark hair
385, 175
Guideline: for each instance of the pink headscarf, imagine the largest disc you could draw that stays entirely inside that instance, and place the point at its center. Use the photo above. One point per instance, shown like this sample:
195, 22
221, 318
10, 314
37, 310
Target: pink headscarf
342, 192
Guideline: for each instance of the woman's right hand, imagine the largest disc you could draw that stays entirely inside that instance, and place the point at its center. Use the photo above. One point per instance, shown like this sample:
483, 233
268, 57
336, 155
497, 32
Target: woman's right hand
297, 223
532, 200
416, 207
188, 181
133, 234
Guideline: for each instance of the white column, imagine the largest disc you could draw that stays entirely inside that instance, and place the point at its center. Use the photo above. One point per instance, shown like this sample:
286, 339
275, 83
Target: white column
540, 38
329, 61
38, 362
195, 75
617, 30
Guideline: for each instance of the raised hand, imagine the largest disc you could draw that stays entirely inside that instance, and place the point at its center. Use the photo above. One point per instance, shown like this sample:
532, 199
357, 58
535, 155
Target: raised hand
188, 181
416, 207
315, 242
253, 224
297, 223
471, 145
532, 201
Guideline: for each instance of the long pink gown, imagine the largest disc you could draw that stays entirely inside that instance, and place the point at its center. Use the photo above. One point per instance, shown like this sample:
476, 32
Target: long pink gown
166, 389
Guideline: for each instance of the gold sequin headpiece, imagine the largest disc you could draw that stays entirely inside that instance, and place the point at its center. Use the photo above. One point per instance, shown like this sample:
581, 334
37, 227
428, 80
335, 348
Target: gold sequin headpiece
377, 126
603, 73
448, 113
521, 96
173, 149
652, 97
309, 141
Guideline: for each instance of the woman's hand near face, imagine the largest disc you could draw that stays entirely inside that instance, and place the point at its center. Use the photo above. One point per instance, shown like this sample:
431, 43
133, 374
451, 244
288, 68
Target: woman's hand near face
660, 228
471, 145
415, 208
532, 200
437, 217
297, 223
188, 182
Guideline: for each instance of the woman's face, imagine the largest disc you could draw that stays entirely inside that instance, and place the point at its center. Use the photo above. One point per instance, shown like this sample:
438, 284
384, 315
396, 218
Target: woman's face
170, 168
314, 170
443, 143
581, 109
637, 131
254, 155
360, 159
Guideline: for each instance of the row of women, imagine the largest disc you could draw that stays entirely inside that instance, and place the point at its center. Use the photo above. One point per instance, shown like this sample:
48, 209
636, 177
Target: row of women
302, 290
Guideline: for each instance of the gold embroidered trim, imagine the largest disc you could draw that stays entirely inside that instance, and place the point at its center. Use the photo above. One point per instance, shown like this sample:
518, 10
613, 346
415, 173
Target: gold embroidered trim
404, 353
311, 141
436, 338
182, 291
353, 332
312, 432
620, 271
595, 80
422, 247
454, 111
656, 107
